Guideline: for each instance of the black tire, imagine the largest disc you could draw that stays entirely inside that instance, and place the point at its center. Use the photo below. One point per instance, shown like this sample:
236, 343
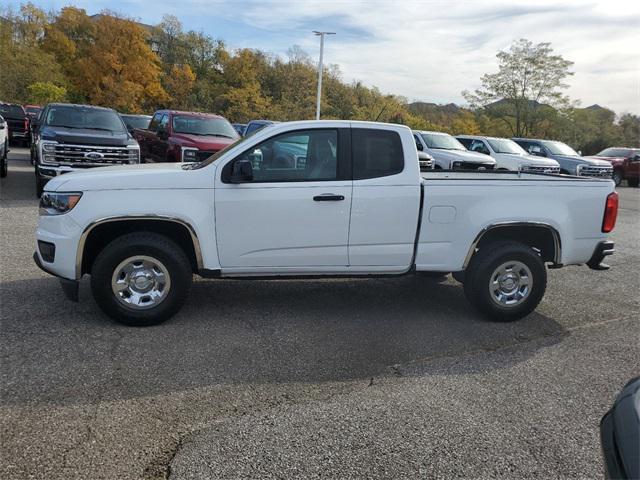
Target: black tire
484, 263
617, 177
633, 182
148, 244
4, 162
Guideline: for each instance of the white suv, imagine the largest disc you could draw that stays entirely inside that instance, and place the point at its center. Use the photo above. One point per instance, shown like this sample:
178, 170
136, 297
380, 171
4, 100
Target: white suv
508, 154
450, 154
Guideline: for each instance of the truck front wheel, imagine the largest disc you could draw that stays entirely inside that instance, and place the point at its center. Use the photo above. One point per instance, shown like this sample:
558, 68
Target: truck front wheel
141, 279
505, 280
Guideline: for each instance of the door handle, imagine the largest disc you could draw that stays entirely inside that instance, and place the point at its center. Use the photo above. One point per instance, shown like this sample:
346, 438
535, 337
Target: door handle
328, 197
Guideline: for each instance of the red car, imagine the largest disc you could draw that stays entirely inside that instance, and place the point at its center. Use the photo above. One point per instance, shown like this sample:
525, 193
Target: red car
626, 164
174, 136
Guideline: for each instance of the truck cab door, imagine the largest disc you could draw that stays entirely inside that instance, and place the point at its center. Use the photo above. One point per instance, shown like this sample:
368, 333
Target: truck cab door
386, 199
284, 204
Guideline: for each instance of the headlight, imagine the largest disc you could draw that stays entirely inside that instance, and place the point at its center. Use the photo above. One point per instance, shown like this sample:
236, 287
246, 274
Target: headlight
189, 154
49, 146
133, 152
47, 151
52, 203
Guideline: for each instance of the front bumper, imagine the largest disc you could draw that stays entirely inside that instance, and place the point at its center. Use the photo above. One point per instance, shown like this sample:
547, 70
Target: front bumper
603, 249
69, 287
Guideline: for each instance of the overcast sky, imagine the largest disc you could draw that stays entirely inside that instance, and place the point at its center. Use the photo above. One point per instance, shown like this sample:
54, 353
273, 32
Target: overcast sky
423, 50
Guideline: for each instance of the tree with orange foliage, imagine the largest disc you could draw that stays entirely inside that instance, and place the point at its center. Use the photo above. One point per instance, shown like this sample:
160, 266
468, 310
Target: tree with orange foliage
178, 84
120, 69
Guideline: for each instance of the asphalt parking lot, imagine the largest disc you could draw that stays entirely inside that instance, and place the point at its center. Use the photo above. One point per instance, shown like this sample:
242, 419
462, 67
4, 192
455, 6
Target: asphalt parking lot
375, 378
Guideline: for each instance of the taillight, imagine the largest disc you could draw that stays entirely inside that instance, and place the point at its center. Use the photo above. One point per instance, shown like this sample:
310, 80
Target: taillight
610, 212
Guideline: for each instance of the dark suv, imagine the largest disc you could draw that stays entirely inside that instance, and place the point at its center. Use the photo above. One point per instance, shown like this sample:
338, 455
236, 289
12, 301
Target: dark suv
18, 122
68, 138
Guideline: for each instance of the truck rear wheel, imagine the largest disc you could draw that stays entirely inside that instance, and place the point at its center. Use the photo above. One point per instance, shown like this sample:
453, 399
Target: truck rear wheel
141, 279
505, 280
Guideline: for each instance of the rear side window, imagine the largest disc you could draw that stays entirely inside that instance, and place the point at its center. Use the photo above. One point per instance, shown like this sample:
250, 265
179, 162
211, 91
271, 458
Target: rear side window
376, 153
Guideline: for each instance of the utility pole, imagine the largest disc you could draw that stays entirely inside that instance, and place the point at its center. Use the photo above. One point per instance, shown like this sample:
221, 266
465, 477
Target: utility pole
321, 35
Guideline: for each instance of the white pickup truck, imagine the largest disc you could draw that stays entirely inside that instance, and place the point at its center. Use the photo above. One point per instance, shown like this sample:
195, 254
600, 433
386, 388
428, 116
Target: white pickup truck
353, 203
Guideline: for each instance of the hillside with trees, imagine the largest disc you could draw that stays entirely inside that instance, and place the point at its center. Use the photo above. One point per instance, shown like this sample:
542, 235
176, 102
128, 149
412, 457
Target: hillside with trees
114, 61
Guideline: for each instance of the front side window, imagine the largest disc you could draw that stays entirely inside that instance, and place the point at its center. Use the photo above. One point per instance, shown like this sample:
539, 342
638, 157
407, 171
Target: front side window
213, 127
79, 117
309, 155
164, 122
376, 153
480, 147
155, 121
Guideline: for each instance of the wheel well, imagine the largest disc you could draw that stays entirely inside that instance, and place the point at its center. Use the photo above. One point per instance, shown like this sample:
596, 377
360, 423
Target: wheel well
101, 235
542, 238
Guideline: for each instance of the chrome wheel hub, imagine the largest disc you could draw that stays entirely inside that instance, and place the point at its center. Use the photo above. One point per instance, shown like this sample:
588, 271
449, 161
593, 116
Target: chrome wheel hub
140, 282
510, 284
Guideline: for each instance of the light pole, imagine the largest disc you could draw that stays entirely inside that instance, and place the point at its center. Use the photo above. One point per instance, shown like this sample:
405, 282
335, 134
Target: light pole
321, 35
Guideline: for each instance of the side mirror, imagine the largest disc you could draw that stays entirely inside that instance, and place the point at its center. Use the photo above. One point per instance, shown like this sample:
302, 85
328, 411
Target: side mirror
419, 147
636, 158
162, 132
242, 172
580, 152
2, 126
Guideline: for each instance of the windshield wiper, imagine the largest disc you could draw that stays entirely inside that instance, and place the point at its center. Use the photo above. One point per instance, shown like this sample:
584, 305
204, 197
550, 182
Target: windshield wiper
85, 128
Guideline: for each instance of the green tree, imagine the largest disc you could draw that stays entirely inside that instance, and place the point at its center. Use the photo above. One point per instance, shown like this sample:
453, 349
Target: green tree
42, 93
529, 76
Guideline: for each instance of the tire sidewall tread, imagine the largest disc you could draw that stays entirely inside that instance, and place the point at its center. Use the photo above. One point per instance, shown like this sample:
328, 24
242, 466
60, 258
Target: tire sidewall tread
149, 244
483, 264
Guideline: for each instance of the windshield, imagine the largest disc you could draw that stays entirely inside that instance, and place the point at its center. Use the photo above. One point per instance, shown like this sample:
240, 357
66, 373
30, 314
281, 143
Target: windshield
441, 141
11, 109
135, 121
559, 148
503, 145
215, 127
614, 152
215, 156
79, 117
34, 110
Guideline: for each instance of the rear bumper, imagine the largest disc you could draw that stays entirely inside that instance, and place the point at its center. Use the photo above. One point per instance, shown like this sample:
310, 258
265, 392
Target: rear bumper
603, 249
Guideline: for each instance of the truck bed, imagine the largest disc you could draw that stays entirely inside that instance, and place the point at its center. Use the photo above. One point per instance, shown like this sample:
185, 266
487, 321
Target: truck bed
458, 205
